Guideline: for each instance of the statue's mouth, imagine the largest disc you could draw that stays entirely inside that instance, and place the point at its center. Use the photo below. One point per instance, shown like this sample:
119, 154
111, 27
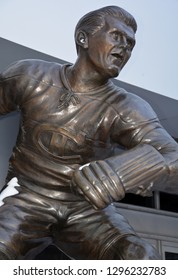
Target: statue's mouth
118, 57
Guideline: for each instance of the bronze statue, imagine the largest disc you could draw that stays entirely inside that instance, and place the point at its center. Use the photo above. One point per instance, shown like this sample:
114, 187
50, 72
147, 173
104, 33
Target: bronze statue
83, 144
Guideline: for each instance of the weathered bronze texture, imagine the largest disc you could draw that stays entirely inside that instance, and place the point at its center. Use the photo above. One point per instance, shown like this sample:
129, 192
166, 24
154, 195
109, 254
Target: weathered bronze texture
83, 144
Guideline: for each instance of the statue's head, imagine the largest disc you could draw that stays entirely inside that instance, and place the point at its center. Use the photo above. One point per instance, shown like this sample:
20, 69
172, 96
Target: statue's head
95, 20
106, 37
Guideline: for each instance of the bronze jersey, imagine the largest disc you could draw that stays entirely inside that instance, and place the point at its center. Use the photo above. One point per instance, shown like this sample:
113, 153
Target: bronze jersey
60, 129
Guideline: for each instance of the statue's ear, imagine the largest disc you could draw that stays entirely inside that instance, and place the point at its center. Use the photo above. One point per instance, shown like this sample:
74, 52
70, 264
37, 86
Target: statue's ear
82, 39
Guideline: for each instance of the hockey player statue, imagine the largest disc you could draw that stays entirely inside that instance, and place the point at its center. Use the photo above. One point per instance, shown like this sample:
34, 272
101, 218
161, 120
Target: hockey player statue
83, 144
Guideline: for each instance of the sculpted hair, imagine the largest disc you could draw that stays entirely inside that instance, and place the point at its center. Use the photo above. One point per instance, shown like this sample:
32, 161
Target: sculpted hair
95, 20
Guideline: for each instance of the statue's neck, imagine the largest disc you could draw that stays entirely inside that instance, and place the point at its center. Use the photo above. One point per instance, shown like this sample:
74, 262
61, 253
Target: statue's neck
82, 77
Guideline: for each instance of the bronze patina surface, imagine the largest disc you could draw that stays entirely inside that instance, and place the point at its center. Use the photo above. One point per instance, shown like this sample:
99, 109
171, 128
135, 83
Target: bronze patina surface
83, 144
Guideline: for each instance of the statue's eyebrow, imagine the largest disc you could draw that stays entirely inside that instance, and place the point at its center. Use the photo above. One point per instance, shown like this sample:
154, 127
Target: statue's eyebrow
115, 29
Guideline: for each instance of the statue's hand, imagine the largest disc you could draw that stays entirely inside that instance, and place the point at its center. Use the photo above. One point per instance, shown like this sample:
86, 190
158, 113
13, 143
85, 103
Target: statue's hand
98, 183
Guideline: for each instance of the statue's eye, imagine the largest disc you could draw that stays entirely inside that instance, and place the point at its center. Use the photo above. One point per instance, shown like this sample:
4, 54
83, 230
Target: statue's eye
130, 44
115, 36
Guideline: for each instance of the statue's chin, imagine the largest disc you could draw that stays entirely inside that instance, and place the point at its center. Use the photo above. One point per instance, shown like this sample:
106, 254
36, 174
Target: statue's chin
114, 71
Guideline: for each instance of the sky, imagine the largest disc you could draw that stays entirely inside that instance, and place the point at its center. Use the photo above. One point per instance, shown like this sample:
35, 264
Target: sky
48, 27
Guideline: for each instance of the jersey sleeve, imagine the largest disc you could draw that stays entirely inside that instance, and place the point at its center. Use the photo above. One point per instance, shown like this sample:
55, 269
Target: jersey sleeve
11, 84
150, 161
135, 118
17, 82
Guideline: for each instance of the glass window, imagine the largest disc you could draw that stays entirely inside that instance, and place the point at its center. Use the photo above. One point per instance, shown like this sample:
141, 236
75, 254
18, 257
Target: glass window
138, 200
171, 256
169, 202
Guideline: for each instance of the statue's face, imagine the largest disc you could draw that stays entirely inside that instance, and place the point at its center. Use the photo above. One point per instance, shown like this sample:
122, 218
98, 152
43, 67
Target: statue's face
110, 48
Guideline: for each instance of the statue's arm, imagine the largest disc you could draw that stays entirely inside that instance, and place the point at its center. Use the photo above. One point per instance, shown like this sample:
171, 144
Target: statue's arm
149, 163
15, 87
9, 90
